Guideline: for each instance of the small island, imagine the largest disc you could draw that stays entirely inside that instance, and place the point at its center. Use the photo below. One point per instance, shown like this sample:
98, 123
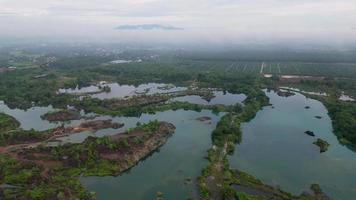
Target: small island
322, 144
62, 115
283, 93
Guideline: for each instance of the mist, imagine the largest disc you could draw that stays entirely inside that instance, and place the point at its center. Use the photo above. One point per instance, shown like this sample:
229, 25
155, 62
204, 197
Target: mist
322, 23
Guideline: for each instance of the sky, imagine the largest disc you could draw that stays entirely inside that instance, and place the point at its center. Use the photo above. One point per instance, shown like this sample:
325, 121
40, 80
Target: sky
328, 21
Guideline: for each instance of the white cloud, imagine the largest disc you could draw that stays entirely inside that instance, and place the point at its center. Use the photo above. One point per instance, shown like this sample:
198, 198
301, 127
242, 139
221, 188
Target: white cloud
219, 18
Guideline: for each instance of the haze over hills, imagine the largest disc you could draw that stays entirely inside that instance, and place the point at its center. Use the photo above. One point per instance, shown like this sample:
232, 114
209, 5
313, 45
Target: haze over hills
216, 22
147, 27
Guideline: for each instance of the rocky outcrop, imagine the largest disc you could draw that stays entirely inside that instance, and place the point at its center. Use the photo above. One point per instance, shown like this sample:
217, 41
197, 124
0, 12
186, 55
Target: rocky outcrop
310, 133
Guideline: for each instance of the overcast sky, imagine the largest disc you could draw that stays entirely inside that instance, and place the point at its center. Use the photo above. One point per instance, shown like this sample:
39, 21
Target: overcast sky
217, 20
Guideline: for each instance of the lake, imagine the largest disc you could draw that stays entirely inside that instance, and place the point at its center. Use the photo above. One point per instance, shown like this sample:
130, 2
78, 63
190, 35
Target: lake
275, 149
172, 170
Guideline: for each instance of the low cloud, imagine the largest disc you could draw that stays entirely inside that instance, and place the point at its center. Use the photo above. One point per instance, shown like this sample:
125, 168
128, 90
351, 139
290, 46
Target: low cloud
213, 20
148, 27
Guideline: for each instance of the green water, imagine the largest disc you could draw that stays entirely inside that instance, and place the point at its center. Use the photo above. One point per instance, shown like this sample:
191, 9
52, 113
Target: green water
275, 149
166, 171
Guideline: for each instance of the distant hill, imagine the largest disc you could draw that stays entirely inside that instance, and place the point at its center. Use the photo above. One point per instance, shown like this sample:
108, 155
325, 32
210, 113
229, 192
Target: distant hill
147, 27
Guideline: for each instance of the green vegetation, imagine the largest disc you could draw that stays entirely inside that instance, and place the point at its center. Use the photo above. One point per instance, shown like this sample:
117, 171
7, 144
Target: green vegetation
8, 123
46, 172
219, 181
11, 133
322, 144
343, 116
62, 115
342, 113
19, 136
217, 178
28, 183
149, 127
104, 107
52, 172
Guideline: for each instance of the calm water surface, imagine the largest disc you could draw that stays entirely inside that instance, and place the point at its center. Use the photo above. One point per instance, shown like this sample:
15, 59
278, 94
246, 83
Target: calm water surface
166, 171
121, 91
30, 118
275, 149
220, 98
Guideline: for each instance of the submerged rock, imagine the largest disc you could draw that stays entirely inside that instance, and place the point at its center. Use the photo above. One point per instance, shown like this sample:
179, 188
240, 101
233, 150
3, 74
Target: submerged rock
311, 133
322, 144
159, 196
204, 119
188, 181
315, 193
307, 107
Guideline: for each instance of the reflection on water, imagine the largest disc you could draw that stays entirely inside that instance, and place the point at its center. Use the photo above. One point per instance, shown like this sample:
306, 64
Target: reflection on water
276, 150
220, 98
122, 91
30, 118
